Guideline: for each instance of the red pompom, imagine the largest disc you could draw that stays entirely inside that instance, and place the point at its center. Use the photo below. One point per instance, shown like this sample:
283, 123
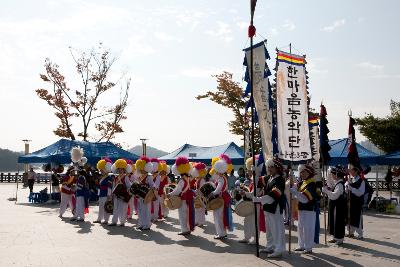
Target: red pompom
200, 166
154, 160
144, 158
181, 160
251, 31
226, 158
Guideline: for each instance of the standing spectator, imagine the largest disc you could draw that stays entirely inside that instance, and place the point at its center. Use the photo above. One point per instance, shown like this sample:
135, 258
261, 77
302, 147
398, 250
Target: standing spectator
241, 175
231, 180
31, 179
56, 177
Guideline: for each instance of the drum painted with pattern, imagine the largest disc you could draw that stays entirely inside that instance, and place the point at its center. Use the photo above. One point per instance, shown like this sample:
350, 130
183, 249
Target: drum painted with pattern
236, 196
109, 206
210, 201
121, 193
143, 191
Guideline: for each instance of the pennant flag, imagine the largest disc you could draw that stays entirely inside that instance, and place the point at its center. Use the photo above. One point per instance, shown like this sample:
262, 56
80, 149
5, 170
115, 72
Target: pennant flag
323, 138
314, 137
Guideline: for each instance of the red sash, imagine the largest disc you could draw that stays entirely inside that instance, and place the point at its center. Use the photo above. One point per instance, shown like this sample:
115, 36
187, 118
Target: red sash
188, 196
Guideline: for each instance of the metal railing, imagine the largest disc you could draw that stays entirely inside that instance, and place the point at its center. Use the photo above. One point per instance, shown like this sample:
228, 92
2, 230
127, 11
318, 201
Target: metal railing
14, 177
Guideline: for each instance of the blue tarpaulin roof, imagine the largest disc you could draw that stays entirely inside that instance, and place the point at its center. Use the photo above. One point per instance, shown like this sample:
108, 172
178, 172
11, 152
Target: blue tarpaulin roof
340, 148
205, 154
390, 159
59, 152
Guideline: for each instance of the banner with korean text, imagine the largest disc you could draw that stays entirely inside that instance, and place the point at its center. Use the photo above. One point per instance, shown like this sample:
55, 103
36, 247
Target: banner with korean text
292, 108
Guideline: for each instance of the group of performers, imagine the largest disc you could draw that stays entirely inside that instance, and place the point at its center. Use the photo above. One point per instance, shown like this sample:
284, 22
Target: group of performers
143, 188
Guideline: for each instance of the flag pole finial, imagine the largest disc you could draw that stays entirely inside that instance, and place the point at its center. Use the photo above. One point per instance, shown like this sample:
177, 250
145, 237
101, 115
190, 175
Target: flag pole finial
350, 113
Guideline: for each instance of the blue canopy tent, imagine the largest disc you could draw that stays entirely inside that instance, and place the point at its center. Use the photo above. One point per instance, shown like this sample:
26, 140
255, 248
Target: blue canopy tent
340, 148
59, 152
390, 159
205, 154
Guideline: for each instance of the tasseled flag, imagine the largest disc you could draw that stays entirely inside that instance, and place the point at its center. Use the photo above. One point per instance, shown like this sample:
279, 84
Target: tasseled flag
323, 136
352, 155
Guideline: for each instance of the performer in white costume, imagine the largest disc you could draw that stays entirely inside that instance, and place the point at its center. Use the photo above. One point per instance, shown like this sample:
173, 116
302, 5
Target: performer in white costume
121, 186
199, 171
144, 167
105, 188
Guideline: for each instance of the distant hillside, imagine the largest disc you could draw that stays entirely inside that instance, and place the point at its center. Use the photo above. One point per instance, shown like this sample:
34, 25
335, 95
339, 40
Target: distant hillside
151, 151
8, 160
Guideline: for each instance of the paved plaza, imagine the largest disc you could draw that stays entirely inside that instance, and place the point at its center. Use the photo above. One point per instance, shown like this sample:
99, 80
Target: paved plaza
34, 235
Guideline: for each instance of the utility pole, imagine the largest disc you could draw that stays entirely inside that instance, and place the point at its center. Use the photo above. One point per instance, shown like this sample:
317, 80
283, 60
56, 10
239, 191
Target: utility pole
26, 141
144, 147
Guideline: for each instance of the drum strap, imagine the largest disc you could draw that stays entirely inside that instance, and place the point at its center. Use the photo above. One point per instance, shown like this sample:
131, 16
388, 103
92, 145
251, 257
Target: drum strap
144, 180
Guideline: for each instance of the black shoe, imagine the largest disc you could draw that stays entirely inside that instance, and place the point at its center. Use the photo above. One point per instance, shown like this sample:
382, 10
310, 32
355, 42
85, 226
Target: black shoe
96, 221
112, 224
80, 220
184, 233
72, 219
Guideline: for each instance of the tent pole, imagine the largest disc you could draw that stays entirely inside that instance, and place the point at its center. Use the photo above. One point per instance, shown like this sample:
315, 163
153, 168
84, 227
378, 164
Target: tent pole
376, 182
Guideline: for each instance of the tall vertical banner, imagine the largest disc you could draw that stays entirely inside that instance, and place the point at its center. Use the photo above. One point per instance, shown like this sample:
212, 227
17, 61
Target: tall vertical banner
292, 108
261, 94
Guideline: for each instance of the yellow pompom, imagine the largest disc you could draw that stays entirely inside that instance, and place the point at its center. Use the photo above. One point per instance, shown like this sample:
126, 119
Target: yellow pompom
160, 167
101, 164
230, 168
140, 164
183, 168
213, 160
202, 172
212, 171
120, 164
133, 167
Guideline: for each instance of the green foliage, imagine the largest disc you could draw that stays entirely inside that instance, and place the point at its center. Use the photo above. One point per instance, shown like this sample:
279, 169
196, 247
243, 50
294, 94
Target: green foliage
383, 132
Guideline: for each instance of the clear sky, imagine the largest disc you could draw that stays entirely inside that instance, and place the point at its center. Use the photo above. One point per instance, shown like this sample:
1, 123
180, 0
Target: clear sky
171, 48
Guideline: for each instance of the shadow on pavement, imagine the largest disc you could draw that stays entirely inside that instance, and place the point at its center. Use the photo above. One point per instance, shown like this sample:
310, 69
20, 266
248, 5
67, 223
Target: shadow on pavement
297, 259
382, 243
373, 252
231, 246
166, 226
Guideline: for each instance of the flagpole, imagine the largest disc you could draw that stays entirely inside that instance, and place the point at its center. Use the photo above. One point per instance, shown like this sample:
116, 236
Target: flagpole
290, 184
251, 33
349, 113
324, 175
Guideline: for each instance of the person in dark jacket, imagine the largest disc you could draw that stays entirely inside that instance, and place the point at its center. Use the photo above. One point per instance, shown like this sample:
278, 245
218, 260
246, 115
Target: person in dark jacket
337, 205
273, 201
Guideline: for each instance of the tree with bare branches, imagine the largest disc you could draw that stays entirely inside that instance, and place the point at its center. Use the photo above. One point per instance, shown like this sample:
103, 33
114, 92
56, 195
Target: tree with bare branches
83, 104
